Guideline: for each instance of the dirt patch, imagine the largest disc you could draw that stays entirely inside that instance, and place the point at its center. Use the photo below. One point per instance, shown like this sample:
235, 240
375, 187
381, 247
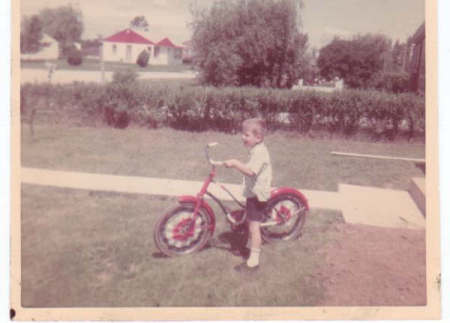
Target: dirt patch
373, 266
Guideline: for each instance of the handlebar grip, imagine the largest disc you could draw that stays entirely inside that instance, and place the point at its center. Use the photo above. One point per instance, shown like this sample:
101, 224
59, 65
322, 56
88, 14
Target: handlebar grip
216, 163
211, 161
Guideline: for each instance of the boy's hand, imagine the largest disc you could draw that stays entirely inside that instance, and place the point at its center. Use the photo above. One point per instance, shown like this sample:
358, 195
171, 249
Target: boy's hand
230, 163
234, 163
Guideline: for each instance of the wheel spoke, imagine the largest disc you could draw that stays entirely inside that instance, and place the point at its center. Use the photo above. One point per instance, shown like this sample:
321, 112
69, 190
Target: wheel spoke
287, 211
180, 233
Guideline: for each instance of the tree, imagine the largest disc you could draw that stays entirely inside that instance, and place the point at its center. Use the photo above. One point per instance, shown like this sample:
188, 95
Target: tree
139, 22
355, 61
31, 34
74, 56
65, 24
253, 42
399, 56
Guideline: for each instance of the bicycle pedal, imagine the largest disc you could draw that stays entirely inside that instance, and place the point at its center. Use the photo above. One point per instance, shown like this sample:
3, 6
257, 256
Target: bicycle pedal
269, 223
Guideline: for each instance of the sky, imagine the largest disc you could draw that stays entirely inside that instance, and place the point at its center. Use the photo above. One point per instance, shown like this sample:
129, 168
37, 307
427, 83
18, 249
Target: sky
322, 19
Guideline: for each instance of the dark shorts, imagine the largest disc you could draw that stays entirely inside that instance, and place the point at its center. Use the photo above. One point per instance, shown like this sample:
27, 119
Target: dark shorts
255, 209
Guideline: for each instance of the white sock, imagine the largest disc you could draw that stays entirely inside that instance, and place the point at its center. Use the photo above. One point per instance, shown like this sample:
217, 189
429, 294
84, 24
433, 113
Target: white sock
253, 260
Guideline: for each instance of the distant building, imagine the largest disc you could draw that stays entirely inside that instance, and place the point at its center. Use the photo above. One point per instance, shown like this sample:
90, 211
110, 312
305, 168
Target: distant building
166, 53
126, 45
49, 50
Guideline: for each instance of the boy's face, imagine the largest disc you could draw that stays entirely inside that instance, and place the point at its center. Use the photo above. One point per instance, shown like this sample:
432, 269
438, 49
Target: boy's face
249, 138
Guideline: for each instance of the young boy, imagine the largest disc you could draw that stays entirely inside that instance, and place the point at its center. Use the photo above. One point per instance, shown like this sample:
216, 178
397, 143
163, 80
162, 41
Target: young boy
257, 182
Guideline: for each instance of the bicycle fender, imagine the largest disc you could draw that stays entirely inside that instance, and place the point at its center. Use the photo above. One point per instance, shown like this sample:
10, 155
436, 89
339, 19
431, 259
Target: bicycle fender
290, 190
189, 199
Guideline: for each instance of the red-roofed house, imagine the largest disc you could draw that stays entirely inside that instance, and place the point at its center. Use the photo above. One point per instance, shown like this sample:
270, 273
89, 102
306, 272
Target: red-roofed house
126, 45
166, 53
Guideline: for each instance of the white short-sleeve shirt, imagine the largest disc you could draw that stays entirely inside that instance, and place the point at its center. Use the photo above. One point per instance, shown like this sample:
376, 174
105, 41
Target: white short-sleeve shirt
258, 185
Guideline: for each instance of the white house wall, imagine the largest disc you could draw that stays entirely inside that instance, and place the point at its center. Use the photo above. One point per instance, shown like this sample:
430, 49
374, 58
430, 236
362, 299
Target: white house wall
120, 54
166, 55
161, 58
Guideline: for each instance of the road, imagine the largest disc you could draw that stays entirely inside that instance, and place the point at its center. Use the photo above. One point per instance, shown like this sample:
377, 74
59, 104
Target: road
69, 76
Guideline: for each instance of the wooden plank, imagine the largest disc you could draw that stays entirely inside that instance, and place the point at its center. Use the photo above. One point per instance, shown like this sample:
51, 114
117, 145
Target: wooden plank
415, 160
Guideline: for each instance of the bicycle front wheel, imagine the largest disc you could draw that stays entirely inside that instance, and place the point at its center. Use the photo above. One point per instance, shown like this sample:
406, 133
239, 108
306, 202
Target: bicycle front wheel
178, 233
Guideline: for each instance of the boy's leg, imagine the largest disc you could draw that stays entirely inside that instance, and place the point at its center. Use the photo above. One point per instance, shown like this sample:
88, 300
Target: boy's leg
255, 243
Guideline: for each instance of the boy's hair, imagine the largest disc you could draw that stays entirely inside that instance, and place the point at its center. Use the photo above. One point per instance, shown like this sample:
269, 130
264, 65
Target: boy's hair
256, 126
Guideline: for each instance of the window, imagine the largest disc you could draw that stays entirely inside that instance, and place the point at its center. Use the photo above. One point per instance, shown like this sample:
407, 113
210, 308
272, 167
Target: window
156, 52
128, 53
178, 53
114, 49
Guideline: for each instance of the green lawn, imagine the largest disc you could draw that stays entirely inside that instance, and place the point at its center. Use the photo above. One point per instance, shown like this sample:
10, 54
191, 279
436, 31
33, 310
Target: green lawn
94, 65
82, 248
297, 161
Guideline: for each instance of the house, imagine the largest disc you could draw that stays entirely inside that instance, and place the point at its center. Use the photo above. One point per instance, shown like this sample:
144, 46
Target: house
166, 53
49, 50
126, 45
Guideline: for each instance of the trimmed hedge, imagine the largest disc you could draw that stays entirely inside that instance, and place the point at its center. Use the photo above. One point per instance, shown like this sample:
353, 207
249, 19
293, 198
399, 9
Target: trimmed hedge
192, 108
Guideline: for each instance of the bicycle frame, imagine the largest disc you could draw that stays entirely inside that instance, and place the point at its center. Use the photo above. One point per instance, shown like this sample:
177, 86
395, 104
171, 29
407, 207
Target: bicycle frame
199, 201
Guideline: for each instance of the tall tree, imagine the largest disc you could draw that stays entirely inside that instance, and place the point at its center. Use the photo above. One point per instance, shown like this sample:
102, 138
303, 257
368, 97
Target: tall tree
139, 22
355, 61
30, 34
65, 24
250, 42
399, 56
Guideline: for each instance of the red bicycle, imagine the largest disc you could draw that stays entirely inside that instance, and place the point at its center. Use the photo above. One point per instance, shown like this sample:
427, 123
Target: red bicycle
189, 226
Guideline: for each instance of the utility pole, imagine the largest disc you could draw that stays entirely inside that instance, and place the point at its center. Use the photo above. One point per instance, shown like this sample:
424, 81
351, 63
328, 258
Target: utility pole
102, 63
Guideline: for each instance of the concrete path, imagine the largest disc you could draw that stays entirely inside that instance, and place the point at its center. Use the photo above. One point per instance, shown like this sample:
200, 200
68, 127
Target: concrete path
359, 204
69, 76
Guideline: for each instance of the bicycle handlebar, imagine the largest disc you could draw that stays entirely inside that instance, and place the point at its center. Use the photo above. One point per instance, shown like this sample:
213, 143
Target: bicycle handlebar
211, 161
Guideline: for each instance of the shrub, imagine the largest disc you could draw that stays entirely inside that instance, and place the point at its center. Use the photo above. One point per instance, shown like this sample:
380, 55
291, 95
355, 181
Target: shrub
143, 58
74, 56
125, 76
391, 82
124, 101
120, 98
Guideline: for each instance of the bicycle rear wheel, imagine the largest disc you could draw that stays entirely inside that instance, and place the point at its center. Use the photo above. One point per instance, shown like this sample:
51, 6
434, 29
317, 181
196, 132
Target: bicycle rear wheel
289, 214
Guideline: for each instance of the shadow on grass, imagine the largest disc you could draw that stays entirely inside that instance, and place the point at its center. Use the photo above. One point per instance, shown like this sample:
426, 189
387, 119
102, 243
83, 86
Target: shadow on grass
234, 242
159, 255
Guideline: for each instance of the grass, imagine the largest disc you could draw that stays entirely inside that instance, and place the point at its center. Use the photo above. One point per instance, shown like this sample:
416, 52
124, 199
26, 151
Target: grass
94, 65
297, 161
82, 248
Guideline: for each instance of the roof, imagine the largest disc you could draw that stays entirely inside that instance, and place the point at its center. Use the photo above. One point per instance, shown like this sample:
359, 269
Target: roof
128, 36
166, 43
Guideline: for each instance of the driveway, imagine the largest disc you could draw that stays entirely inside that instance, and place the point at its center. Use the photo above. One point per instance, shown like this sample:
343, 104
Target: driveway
358, 204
